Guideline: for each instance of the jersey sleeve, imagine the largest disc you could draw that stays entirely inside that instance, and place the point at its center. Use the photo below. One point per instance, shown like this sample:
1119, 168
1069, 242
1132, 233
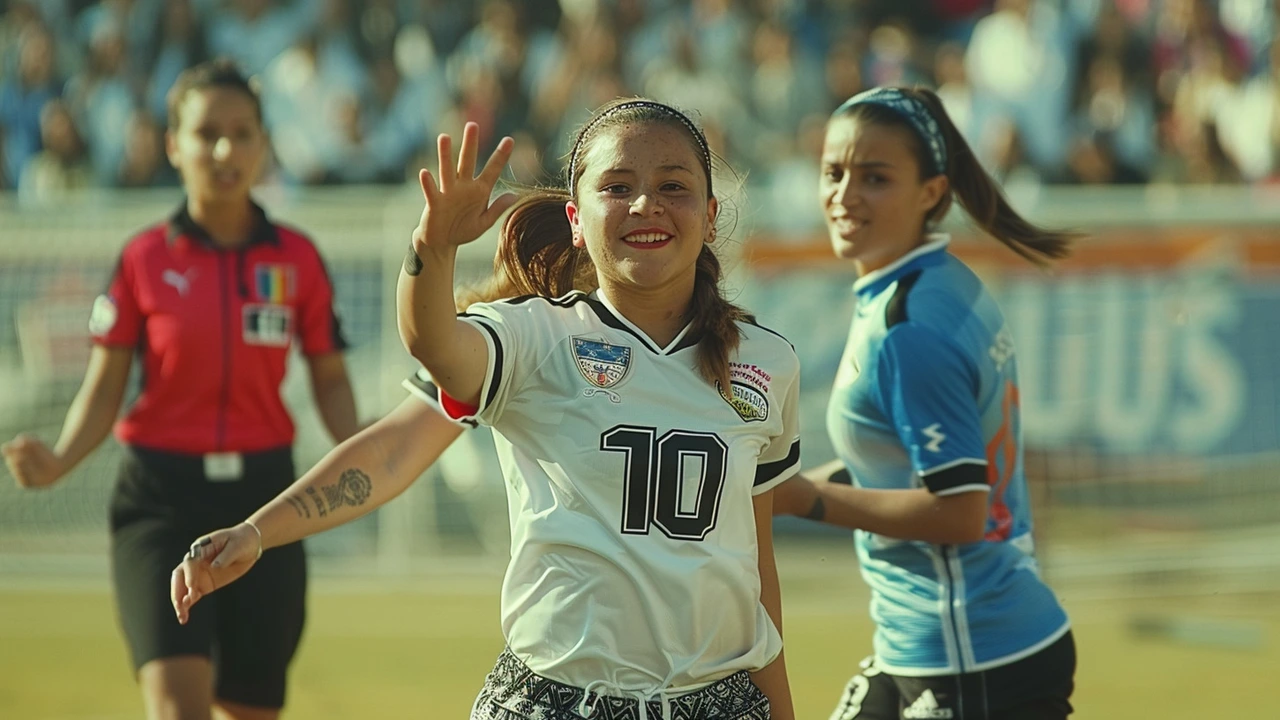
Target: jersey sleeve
421, 386
928, 388
781, 458
319, 328
116, 318
513, 332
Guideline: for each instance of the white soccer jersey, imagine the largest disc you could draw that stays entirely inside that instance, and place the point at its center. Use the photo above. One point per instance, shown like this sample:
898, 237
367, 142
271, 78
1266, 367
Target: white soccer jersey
630, 481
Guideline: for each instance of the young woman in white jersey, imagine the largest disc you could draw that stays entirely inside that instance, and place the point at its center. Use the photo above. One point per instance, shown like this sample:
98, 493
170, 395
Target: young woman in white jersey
641, 428
924, 418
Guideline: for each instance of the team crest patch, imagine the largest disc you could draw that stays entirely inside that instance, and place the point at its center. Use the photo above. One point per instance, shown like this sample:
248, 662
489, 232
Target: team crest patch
603, 365
750, 392
275, 283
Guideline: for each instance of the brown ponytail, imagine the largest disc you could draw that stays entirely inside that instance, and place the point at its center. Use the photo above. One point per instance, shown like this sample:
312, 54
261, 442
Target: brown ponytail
978, 193
536, 255
715, 320
983, 199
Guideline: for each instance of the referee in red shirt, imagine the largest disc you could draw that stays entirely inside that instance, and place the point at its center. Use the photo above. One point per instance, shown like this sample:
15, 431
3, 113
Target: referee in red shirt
211, 302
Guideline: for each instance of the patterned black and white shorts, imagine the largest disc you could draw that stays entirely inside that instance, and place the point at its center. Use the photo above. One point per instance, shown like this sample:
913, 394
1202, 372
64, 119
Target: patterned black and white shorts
513, 692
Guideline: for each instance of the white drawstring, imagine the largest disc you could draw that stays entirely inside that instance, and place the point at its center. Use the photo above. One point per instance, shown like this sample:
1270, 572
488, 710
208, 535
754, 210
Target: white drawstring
664, 697
584, 708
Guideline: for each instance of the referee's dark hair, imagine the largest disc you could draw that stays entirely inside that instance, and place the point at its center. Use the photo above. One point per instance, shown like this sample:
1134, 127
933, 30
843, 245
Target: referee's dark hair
218, 73
536, 255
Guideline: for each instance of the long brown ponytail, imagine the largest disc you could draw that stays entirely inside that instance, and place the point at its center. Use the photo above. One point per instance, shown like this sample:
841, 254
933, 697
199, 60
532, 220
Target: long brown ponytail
979, 194
715, 320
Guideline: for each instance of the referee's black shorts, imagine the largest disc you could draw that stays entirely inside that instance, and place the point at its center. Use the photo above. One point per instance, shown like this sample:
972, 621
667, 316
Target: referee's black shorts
249, 629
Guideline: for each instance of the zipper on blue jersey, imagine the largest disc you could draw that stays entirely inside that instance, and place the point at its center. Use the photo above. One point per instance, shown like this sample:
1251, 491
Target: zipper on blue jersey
947, 550
224, 395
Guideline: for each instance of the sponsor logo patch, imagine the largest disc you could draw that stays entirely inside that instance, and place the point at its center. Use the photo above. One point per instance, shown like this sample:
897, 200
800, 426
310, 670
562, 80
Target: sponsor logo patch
749, 392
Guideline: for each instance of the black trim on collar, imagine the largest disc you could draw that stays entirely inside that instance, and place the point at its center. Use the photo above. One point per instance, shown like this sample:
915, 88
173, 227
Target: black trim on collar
895, 311
180, 224
607, 317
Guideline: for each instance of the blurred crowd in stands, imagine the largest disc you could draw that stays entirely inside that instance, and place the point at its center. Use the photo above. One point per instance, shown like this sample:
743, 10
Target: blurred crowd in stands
1047, 91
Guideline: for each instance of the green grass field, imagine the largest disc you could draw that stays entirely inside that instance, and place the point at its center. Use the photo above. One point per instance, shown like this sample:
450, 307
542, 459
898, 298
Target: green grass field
410, 651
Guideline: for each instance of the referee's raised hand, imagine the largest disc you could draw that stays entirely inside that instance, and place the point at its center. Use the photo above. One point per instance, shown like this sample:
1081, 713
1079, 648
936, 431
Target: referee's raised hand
458, 205
214, 561
32, 463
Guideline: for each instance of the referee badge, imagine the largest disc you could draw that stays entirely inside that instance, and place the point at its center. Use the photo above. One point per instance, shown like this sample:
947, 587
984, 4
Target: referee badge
275, 283
603, 365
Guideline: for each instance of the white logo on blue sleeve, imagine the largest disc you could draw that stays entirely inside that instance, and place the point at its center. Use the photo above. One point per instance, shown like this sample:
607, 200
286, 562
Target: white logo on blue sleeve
1002, 349
936, 437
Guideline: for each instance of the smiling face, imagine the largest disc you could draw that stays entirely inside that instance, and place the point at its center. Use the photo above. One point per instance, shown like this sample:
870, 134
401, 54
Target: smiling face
642, 209
218, 144
873, 196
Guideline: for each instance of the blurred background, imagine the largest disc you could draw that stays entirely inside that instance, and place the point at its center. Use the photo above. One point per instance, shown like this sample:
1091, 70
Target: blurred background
1150, 388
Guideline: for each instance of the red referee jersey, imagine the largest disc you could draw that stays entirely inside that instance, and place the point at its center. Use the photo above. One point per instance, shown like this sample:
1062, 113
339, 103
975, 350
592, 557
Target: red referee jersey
213, 328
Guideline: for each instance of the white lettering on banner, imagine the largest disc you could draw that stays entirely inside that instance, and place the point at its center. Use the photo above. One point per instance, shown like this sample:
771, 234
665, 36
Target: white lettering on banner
1127, 361
1213, 378
1053, 356
1134, 353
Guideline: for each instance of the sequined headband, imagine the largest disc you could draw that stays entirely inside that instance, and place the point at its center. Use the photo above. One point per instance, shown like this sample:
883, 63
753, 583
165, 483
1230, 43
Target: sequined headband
630, 105
915, 112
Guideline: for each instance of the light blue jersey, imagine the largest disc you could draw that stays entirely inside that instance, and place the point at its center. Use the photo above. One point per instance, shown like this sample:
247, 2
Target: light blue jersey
927, 396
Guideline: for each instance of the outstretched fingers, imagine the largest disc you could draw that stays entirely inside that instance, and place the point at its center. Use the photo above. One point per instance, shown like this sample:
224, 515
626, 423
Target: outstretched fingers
445, 171
428, 183
469, 151
497, 161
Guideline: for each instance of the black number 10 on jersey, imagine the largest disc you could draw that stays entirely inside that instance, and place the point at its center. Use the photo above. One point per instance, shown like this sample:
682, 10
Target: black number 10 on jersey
654, 486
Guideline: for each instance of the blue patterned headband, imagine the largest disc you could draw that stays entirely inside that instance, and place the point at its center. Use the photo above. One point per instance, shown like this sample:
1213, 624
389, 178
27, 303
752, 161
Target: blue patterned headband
649, 105
913, 111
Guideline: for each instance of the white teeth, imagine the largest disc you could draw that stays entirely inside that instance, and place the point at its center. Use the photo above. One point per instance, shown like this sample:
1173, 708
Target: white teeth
648, 238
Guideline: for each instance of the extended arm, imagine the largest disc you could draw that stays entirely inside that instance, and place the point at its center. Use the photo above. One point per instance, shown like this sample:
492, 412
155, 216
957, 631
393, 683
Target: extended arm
331, 388
825, 494
361, 474
456, 212
87, 424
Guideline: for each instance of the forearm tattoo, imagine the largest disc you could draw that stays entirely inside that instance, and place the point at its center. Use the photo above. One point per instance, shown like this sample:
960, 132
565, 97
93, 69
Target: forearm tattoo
818, 511
353, 488
300, 506
412, 263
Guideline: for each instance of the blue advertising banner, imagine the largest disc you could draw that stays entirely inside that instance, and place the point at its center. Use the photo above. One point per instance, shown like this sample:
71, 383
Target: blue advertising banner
1164, 361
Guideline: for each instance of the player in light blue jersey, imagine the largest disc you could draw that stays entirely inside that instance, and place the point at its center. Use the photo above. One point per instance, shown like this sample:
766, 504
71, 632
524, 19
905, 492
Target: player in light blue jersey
924, 417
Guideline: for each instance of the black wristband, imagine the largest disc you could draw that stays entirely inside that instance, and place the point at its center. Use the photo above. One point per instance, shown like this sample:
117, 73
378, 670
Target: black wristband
412, 263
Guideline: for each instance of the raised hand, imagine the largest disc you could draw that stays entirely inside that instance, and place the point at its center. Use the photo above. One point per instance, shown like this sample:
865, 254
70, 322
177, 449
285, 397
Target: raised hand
458, 207
215, 560
31, 462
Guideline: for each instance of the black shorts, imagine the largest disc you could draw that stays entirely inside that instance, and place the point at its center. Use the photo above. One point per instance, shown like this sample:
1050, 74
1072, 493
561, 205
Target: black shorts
249, 629
514, 692
1037, 687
